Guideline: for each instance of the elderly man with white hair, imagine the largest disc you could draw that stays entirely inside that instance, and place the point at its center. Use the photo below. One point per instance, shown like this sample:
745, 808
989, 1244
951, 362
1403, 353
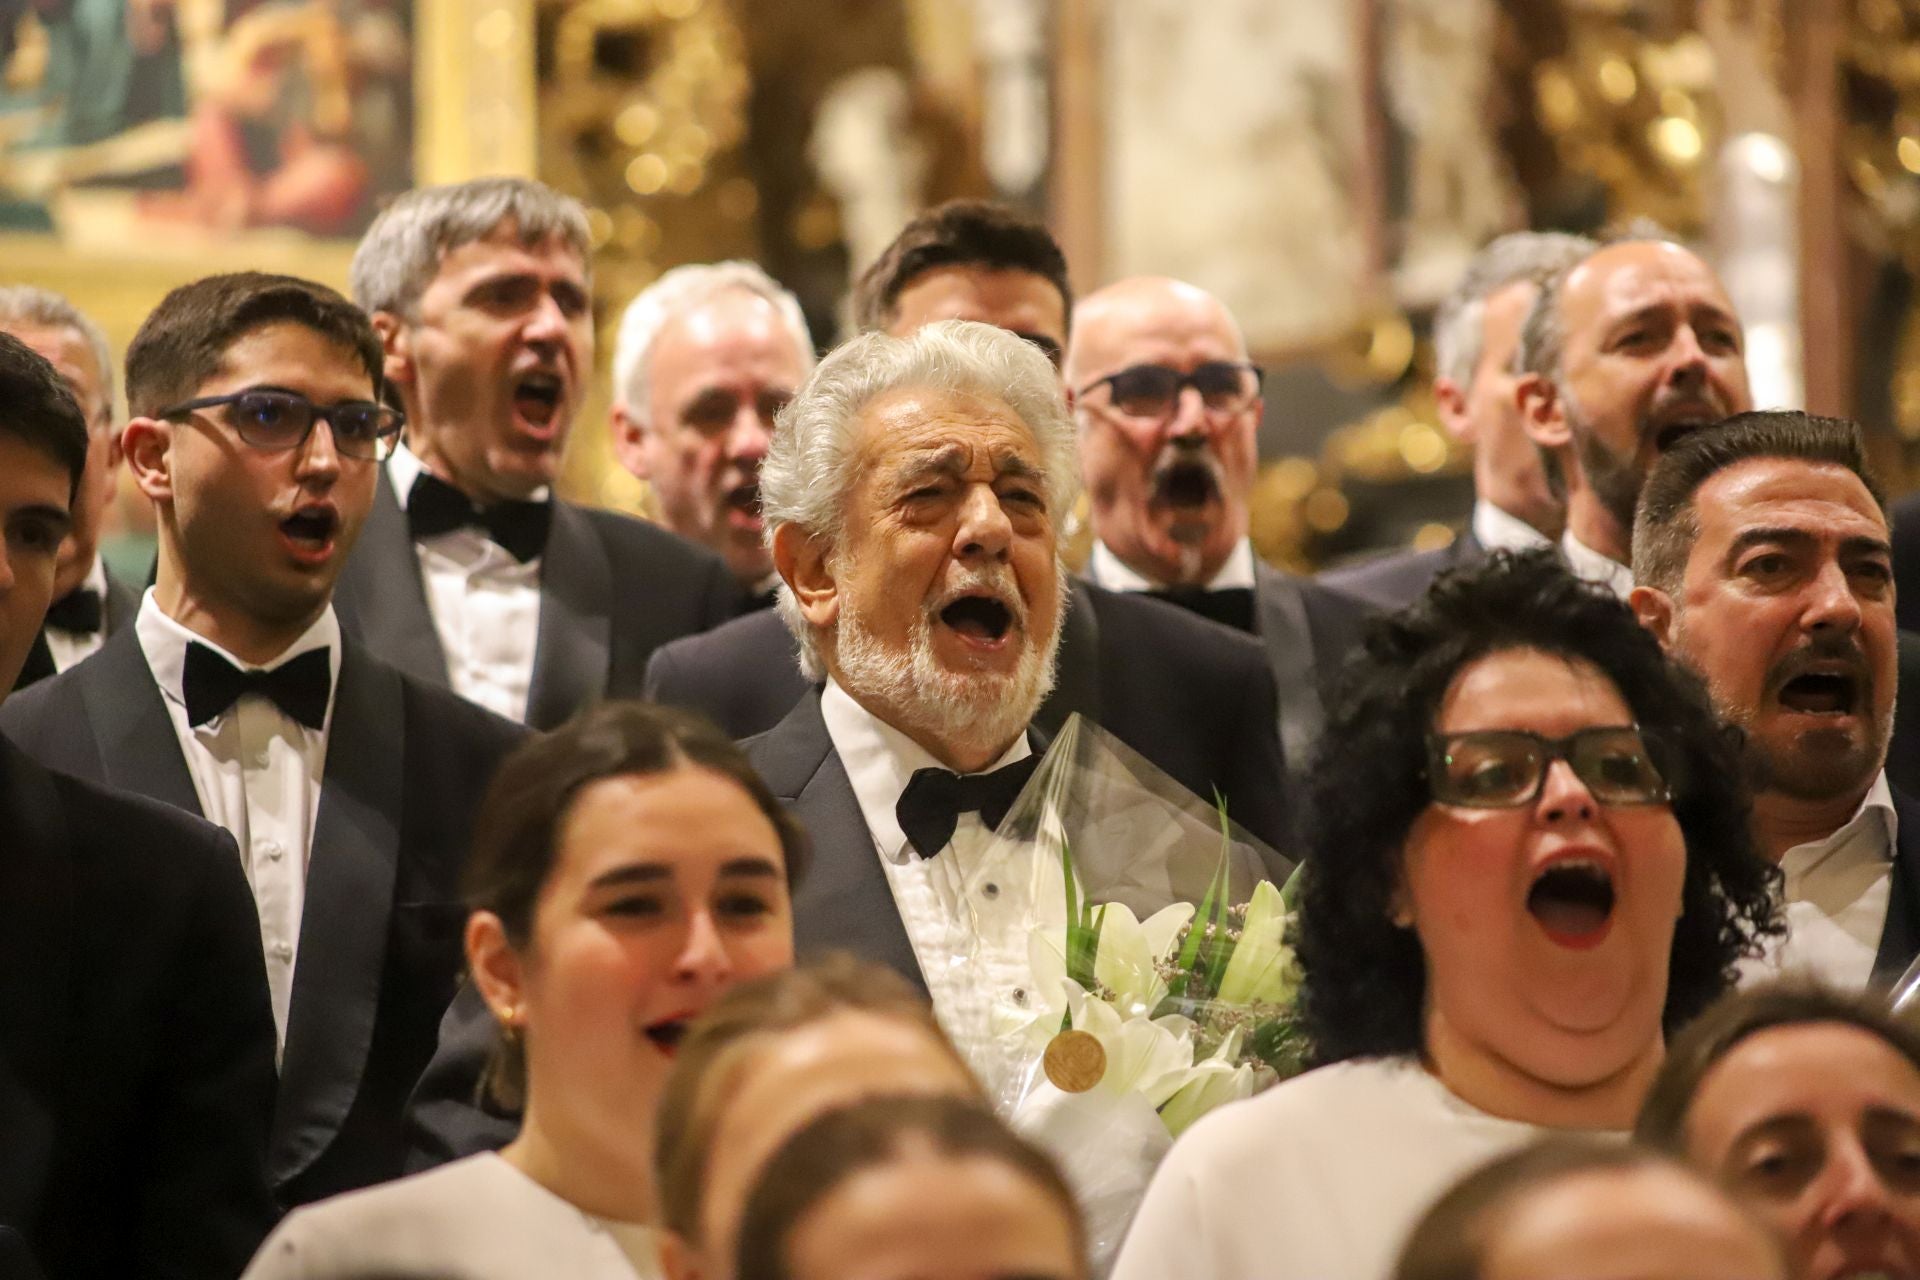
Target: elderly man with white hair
707, 354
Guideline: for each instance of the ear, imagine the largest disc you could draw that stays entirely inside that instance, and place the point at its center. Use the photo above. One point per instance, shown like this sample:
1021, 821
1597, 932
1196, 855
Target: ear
803, 562
1400, 906
496, 967
147, 445
397, 344
1450, 400
1654, 608
1540, 412
629, 441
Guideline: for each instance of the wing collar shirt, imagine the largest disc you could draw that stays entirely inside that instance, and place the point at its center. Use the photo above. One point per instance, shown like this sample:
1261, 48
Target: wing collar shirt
968, 916
1498, 530
69, 647
485, 605
1107, 570
1836, 895
258, 773
1590, 566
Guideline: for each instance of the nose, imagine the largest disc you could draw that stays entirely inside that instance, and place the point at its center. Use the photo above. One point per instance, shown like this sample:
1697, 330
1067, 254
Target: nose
703, 958
1189, 422
984, 531
1563, 797
1687, 359
747, 441
1831, 602
547, 323
1856, 1199
319, 456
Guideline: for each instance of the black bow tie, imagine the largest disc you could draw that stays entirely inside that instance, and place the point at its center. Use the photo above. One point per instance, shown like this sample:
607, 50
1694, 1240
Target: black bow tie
434, 507
79, 611
299, 687
931, 805
1232, 606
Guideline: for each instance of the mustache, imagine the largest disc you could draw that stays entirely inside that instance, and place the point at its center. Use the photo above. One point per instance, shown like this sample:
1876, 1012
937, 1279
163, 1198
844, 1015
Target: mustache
972, 580
1823, 650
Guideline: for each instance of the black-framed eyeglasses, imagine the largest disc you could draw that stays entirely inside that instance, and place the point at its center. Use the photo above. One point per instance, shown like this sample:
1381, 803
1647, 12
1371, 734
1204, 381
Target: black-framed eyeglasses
1506, 768
1153, 390
275, 420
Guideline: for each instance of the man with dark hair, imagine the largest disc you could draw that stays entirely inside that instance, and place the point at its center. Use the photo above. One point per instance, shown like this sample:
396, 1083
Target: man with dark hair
1168, 407
1159, 679
136, 1065
1475, 333
1762, 561
1621, 356
88, 602
471, 573
256, 431
970, 260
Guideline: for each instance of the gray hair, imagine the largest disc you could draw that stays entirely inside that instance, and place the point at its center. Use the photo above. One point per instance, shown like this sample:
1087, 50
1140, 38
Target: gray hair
400, 254
1532, 256
28, 306
809, 466
678, 291
1543, 337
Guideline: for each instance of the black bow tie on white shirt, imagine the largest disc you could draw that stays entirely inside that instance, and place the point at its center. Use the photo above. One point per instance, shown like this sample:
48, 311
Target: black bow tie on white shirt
78, 611
1230, 606
300, 687
930, 807
435, 507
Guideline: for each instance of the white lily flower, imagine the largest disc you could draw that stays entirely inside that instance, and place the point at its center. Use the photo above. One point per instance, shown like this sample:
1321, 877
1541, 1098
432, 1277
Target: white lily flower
1261, 969
1144, 1056
1130, 951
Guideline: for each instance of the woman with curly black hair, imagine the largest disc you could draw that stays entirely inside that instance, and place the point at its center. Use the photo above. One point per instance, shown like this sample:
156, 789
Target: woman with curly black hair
1531, 862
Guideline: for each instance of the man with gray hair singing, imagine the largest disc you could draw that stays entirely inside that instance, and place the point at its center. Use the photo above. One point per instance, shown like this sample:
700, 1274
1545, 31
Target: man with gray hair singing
915, 494
707, 354
1475, 333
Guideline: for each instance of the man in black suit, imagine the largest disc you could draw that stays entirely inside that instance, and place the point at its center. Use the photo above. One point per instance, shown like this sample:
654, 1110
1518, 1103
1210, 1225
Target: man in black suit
88, 602
1168, 404
1194, 700
136, 1042
706, 356
348, 786
1476, 330
471, 574
1762, 561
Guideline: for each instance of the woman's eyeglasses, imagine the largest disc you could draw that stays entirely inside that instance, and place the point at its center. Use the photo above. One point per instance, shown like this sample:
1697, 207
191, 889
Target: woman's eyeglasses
1506, 768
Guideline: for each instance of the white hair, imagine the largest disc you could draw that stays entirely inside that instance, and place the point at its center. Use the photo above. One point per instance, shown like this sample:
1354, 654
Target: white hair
679, 291
809, 467
29, 306
1533, 256
400, 254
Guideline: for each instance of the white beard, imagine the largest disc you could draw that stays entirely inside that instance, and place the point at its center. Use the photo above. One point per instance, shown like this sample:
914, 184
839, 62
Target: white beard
975, 708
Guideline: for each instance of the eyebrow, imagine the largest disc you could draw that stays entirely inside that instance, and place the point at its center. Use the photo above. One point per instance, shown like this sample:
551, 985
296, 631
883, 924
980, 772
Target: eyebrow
635, 873
60, 517
1786, 1124
1800, 539
952, 461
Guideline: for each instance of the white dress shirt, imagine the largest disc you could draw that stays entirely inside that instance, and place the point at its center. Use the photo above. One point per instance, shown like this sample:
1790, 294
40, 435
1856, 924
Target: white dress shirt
1497, 530
1109, 571
485, 605
968, 912
69, 647
258, 773
1836, 899
1591, 566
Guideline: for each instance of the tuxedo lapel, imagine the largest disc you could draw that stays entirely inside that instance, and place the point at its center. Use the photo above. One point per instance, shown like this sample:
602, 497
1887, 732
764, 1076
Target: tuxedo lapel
122, 604
36, 907
1076, 684
1280, 617
575, 635
381, 599
843, 901
344, 924
1900, 936
139, 747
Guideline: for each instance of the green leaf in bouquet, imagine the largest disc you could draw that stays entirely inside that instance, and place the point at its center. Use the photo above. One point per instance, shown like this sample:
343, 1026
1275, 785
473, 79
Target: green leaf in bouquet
1281, 1044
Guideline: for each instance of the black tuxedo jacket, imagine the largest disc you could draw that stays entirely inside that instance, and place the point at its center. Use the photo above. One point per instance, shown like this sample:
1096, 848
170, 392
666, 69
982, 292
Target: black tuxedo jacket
1395, 580
612, 590
1904, 516
136, 1041
1900, 936
122, 602
380, 935
1195, 698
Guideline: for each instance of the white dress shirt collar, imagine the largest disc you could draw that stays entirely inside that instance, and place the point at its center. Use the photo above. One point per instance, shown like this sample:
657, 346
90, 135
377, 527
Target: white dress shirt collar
165, 641
1498, 530
1109, 571
404, 467
71, 647
880, 761
1591, 566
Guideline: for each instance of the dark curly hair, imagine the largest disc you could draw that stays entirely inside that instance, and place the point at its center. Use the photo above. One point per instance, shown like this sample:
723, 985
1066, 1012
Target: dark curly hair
1365, 977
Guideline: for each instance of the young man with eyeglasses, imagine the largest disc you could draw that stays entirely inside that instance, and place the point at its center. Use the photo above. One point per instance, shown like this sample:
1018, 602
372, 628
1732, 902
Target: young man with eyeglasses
1762, 560
256, 431
1168, 405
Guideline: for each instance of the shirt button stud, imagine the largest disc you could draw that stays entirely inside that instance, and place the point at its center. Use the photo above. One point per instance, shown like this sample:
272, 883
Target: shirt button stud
1020, 996
990, 889
272, 849
283, 951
